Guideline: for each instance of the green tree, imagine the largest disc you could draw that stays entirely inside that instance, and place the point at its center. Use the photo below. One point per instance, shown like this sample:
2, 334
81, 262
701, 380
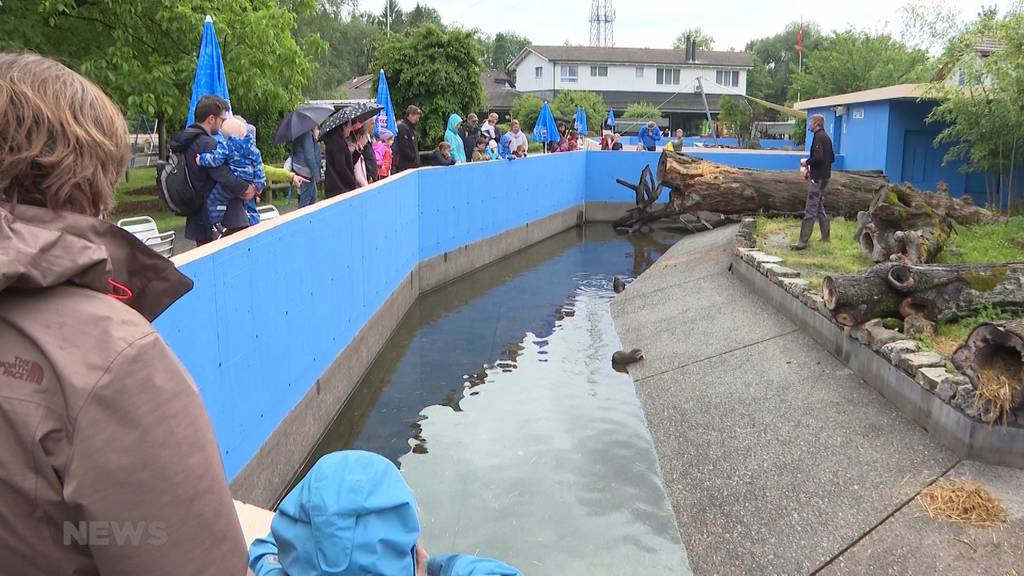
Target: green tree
502, 49
738, 117
704, 40
642, 111
983, 119
526, 108
851, 61
778, 57
438, 70
422, 14
348, 42
564, 107
143, 52
391, 17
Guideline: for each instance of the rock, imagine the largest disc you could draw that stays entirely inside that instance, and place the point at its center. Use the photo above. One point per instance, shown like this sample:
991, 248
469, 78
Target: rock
911, 363
777, 272
894, 350
862, 333
917, 326
946, 390
760, 258
892, 323
933, 378
794, 286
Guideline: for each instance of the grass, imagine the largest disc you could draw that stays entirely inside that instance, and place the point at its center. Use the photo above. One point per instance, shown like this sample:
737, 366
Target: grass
986, 243
141, 177
842, 254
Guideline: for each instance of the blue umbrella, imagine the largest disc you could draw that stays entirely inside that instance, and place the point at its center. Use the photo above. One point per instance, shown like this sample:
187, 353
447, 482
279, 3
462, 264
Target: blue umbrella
611, 117
546, 130
209, 78
581, 120
386, 117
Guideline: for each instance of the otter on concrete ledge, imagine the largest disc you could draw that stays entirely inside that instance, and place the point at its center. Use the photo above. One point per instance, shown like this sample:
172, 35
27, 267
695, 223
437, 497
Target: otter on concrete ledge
623, 358
618, 284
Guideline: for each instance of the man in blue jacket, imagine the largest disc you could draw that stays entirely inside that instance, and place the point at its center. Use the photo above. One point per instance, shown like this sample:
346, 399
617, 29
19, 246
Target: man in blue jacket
211, 112
649, 136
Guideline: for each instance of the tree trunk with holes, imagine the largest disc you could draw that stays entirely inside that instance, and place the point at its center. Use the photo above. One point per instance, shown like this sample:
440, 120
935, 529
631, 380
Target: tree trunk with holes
941, 293
854, 299
698, 184
992, 358
901, 225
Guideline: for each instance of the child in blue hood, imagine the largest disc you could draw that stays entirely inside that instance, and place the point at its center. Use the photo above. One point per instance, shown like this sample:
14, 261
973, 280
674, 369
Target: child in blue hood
354, 515
238, 149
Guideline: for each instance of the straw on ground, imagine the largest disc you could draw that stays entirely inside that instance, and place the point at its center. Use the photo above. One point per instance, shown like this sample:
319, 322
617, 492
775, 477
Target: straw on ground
966, 502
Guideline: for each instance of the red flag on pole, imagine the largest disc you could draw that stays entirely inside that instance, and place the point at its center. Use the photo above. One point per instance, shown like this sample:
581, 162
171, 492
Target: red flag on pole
800, 38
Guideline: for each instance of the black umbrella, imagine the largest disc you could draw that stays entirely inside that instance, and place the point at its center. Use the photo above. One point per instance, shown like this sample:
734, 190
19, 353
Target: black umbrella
358, 112
301, 120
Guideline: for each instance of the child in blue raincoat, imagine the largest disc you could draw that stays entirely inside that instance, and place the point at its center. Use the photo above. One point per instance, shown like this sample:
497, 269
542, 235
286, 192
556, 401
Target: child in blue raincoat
451, 136
353, 514
236, 147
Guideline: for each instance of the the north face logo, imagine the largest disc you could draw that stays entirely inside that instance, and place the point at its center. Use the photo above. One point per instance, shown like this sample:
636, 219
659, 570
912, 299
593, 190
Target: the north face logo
22, 369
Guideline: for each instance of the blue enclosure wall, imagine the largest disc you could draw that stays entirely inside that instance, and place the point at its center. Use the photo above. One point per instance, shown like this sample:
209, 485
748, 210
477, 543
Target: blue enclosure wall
272, 309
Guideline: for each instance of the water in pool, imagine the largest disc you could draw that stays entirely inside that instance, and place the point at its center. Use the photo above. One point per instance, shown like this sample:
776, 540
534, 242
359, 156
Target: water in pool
497, 399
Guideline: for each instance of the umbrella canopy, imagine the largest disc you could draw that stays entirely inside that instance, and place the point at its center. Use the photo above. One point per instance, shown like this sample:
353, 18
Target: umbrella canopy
301, 120
386, 117
611, 117
209, 77
358, 112
581, 120
546, 130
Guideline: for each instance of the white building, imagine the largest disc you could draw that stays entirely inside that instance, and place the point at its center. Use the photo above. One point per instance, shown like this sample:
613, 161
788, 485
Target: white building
665, 78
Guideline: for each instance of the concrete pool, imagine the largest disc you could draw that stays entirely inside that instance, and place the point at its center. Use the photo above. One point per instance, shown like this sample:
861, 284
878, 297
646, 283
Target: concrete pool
497, 399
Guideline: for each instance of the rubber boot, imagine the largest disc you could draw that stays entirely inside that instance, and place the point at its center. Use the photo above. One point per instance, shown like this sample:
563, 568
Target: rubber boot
823, 224
806, 227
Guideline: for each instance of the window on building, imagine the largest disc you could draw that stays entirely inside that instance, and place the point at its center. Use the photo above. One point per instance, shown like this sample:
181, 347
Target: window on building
727, 78
668, 75
570, 72
538, 72
601, 71
639, 71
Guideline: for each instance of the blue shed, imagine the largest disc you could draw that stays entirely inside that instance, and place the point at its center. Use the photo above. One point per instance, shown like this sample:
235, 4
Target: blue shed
885, 129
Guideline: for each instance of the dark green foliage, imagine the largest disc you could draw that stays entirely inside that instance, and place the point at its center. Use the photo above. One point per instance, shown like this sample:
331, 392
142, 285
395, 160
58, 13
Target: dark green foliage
437, 70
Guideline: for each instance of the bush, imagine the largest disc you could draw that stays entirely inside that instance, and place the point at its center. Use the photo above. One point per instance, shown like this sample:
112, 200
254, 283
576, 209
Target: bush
642, 111
526, 108
565, 103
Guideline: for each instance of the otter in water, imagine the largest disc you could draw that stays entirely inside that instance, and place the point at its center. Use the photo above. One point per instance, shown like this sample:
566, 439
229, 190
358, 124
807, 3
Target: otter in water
618, 284
623, 358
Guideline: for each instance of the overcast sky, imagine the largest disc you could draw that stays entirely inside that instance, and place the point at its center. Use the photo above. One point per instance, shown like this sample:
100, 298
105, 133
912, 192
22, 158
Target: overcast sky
656, 23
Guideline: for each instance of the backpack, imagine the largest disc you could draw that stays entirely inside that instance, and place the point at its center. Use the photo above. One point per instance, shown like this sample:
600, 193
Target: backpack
175, 185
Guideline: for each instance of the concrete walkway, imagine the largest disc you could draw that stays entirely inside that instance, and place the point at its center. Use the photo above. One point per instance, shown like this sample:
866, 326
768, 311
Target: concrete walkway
776, 457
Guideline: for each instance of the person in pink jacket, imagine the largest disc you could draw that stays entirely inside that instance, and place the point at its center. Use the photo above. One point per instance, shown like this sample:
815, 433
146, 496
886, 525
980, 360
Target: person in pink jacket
382, 150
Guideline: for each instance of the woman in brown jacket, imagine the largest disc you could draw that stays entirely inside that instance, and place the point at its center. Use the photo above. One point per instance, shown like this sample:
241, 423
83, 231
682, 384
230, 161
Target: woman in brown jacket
109, 464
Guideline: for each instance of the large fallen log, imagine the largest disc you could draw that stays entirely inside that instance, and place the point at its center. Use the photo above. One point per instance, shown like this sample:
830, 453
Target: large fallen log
941, 293
854, 299
900, 224
992, 358
947, 292
698, 184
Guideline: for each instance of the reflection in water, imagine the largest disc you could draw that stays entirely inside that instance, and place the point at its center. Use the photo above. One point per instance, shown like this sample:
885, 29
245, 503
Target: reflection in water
497, 397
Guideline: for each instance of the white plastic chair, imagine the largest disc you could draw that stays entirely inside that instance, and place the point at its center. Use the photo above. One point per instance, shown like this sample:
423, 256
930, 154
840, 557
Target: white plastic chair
162, 243
144, 228
141, 226
267, 212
